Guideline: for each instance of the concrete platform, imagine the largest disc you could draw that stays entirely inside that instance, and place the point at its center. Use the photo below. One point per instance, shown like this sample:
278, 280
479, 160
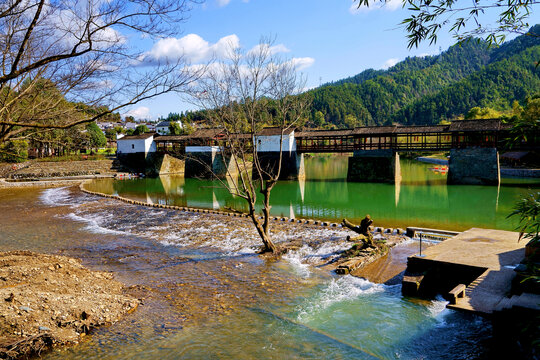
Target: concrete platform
482, 259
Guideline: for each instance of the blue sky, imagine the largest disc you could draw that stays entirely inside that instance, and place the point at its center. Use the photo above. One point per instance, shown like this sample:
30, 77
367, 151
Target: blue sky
329, 38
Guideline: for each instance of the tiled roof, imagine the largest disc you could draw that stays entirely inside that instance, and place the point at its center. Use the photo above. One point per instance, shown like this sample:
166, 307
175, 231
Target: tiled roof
137, 137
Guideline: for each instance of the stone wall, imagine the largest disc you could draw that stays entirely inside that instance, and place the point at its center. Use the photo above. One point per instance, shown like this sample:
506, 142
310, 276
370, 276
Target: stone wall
50, 169
374, 166
209, 165
292, 164
158, 164
474, 166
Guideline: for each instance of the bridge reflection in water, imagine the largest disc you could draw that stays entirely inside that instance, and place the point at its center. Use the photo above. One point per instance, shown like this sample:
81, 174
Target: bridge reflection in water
422, 198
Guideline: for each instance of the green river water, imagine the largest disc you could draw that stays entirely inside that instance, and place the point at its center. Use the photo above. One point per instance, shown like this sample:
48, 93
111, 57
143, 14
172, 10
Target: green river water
208, 295
421, 199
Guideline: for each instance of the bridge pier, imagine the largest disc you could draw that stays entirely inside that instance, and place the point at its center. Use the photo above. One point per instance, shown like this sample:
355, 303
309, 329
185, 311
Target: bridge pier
374, 166
208, 162
292, 164
474, 166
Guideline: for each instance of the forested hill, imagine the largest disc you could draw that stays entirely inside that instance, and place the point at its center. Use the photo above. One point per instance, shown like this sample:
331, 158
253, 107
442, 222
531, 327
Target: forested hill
429, 89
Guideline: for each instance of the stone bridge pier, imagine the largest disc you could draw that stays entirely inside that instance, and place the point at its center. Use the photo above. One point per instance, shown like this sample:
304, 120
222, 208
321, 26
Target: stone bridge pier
374, 166
474, 166
292, 165
209, 162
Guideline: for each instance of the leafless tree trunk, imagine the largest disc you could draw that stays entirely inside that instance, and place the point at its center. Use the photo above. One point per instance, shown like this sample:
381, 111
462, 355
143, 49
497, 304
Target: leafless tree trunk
242, 94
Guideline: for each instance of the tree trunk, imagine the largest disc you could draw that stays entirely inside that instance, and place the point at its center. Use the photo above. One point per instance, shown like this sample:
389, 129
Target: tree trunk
351, 226
262, 229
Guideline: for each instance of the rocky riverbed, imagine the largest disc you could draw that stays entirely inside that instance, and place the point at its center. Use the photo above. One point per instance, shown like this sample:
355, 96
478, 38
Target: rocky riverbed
48, 300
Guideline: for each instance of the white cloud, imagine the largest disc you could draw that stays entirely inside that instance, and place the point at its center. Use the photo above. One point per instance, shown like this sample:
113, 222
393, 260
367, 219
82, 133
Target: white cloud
279, 48
140, 113
191, 47
302, 63
390, 62
223, 2
389, 5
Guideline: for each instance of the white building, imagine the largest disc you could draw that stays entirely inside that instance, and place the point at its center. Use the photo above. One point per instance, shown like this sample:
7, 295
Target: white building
143, 143
163, 127
268, 140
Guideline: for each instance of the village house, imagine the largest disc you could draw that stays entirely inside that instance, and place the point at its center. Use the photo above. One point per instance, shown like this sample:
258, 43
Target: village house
136, 144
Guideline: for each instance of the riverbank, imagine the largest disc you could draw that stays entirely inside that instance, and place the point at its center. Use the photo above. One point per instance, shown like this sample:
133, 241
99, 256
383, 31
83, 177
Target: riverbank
48, 300
45, 170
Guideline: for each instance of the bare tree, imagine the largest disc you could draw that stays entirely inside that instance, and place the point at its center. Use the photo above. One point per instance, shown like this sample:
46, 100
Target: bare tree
55, 54
242, 94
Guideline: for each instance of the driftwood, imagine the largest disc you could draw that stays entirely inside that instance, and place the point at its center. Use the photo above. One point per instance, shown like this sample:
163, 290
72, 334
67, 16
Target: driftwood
29, 346
356, 238
365, 235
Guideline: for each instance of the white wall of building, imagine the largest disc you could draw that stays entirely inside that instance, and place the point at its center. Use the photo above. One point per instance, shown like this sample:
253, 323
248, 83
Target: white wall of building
162, 130
130, 146
271, 143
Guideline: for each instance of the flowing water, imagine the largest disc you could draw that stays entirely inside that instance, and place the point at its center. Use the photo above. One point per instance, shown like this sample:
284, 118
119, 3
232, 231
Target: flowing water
207, 295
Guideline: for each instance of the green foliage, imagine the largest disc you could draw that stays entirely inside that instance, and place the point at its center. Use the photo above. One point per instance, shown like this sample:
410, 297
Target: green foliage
531, 112
173, 117
428, 17
482, 113
528, 211
175, 128
318, 119
525, 123
97, 137
14, 151
141, 129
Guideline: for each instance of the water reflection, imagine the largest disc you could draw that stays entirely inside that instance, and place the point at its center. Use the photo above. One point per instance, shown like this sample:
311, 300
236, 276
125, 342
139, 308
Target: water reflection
421, 198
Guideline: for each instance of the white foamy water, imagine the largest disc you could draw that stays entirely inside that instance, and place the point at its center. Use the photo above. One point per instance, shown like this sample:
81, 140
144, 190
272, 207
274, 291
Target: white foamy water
345, 288
303, 258
437, 309
56, 197
296, 259
94, 224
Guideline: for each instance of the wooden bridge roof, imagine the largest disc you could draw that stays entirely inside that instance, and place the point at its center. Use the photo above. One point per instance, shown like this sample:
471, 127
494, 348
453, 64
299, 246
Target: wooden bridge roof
455, 126
271, 131
310, 133
478, 125
171, 138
